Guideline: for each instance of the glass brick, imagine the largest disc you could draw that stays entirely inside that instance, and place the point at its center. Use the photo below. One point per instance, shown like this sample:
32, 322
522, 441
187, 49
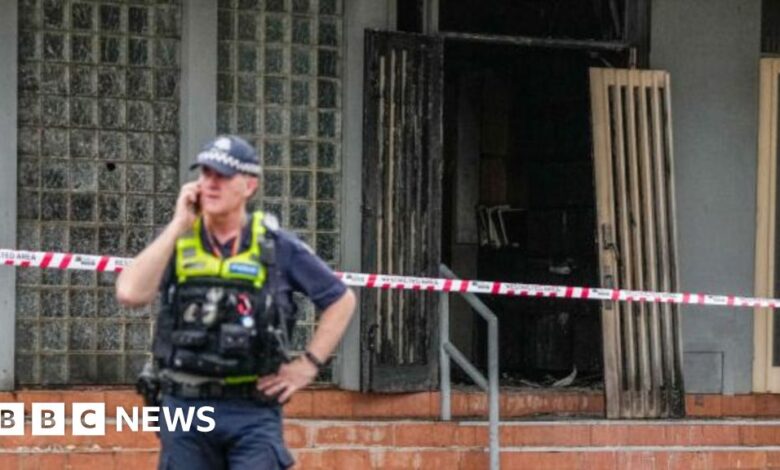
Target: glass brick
138, 20
83, 239
82, 336
245, 120
163, 209
110, 18
84, 112
275, 208
247, 27
83, 303
53, 14
29, 110
329, 7
274, 60
139, 84
81, 49
326, 246
247, 89
274, 121
301, 61
140, 178
28, 302
274, 90
137, 336
110, 368
82, 279
166, 117
83, 177
53, 303
29, 173
82, 369
112, 145
83, 81
82, 207
224, 119
275, 5
109, 336
54, 110
225, 87
166, 148
300, 185
81, 16
139, 210
299, 122
166, 179
54, 369
300, 154
29, 78
54, 237
51, 277
326, 93
326, 186
327, 217
300, 6
137, 239
247, 4
299, 216
28, 46
29, 141
168, 21
110, 50
54, 143
274, 29
26, 338
108, 306
83, 143
247, 57
139, 115
54, 207
224, 56
300, 93
167, 53
111, 240
328, 34
111, 177
54, 79
138, 51
326, 124
167, 84
134, 363
327, 63
273, 184
273, 154
112, 114
140, 146
28, 204
225, 20
111, 82
301, 337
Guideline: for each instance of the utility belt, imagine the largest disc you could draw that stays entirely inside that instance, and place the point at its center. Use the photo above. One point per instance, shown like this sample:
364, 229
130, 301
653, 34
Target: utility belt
211, 390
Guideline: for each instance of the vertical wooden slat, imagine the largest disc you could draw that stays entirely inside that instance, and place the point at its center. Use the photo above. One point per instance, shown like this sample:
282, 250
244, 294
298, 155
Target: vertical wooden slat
379, 201
651, 245
388, 199
610, 316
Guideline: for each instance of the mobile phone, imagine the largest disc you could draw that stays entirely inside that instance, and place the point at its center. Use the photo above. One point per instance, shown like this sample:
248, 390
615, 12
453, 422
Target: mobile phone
196, 205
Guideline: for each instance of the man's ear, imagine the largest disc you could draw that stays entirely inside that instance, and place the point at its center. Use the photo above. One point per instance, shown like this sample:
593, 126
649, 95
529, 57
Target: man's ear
251, 186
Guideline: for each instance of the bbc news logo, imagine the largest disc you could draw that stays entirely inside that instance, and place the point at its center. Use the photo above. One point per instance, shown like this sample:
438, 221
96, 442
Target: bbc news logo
89, 419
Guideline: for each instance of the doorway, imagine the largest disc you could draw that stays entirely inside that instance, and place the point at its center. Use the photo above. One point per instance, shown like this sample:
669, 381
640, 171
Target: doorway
519, 204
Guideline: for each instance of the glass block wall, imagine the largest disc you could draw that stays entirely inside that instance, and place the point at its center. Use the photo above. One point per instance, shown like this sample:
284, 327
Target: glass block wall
279, 86
98, 173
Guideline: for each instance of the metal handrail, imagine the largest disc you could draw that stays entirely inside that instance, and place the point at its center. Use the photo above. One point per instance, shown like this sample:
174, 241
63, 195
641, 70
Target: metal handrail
448, 351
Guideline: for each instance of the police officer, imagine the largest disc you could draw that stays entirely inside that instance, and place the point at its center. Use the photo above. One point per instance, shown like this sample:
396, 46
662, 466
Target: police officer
226, 279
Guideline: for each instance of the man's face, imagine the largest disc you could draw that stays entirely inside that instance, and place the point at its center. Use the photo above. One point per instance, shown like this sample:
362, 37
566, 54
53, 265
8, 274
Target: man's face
220, 194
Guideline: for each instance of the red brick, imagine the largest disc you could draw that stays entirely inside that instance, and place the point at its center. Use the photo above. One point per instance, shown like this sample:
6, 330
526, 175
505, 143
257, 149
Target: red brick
296, 435
760, 435
9, 461
475, 460
412, 405
703, 435
642, 460
121, 398
136, 460
396, 460
626, 434
728, 460
772, 459
546, 435
314, 459
598, 461
353, 435
540, 460
465, 436
352, 458
424, 435
439, 459
689, 461
372, 406
739, 405
332, 403
300, 406
91, 461
768, 405
704, 405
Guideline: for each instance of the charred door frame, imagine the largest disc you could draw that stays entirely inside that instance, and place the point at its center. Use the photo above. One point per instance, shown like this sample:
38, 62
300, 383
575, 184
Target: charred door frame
414, 148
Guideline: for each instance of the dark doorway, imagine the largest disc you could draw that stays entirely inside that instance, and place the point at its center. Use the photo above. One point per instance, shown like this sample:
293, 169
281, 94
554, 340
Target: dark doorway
519, 203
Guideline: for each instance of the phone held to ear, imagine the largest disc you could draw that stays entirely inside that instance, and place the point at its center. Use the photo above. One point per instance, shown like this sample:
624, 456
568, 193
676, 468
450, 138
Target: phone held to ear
196, 204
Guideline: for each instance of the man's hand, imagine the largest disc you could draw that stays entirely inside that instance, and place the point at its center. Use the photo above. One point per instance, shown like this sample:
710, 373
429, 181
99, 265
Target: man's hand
291, 377
185, 212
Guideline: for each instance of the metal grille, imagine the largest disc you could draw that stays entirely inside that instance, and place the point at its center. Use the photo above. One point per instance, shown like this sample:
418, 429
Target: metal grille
98, 173
279, 85
635, 194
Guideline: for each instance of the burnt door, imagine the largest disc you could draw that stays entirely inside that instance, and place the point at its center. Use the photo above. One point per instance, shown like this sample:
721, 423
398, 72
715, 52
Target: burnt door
402, 201
632, 137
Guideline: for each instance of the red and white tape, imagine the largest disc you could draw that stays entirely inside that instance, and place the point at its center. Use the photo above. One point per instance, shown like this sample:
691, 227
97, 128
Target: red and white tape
41, 259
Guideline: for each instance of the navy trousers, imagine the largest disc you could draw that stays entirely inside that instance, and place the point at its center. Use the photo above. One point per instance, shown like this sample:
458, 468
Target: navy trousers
248, 435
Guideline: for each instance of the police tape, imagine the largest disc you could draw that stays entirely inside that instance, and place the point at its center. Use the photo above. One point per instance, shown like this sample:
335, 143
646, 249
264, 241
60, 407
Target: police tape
51, 260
